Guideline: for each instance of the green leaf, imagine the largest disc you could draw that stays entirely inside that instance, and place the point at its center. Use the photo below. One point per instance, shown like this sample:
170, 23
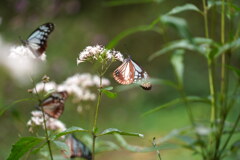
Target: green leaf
127, 2
108, 88
177, 62
109, 93
234, 69
175, 102
115, 130
128, 32
228, 46
23, 145
198, 44
133, 148
63, 147
68, 131
186, 7
177, 23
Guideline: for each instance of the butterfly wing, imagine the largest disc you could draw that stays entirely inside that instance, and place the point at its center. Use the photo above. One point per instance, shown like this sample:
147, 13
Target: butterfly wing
54, 104
77, 148
37, 41
124, 74
141, 77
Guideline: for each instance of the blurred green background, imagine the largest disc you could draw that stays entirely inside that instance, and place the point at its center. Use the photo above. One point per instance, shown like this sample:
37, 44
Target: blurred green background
80, 23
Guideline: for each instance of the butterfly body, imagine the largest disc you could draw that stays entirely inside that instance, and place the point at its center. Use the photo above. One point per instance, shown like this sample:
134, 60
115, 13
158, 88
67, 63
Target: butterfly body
53, 105
37, 41
130, 72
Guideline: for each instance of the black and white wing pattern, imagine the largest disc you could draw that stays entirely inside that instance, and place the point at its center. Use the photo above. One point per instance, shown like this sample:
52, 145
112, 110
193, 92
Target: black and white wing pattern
130, 72
37, 41
53, 105
77, 148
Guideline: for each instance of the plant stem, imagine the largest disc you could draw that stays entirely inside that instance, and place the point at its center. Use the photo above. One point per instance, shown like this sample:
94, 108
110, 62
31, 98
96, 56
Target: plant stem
96, 117
211, 74
223, 98
46, 134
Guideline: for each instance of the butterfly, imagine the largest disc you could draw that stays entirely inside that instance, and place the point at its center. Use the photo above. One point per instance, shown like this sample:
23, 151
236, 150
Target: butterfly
130, 72
53, 105
77, 148
37, 41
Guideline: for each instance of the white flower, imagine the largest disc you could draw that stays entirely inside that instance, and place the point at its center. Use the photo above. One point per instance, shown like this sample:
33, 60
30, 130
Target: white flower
51, 123
78, 86
20, 61
94, 52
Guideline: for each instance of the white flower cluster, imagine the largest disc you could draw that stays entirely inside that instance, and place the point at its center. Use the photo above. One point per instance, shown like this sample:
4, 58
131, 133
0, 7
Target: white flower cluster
51, 123
94, 52
77, 85
19, 61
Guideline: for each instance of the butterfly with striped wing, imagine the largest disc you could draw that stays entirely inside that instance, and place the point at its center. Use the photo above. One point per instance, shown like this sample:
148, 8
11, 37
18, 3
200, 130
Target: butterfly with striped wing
77, 148
130, 72
53, 105
37, 41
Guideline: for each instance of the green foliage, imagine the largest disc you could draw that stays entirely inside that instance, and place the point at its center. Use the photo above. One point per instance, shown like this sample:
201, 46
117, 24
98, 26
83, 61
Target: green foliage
117, 131
177, 101
133, 148
68, 131
23, 145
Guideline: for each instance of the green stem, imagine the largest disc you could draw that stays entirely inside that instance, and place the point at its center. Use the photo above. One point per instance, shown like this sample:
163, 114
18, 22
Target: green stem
230, 135
223, 98
94, 136
190, 114
46, 134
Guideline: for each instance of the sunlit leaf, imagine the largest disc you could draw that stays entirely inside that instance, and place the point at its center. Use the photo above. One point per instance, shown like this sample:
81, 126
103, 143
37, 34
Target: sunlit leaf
23, 145
109, 93
68, 131
62, 146
177, 101
186, 7
115, 130
112, 3
134, 148
177, 62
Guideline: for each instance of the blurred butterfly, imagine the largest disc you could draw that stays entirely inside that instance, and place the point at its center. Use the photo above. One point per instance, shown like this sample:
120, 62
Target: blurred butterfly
130, 72
37, 41
77, 148
53, 105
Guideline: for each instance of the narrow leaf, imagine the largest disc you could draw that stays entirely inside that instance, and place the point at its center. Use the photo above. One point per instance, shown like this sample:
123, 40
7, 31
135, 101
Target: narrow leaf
228, 46
115, 130
234, 69
23, 145
109, 93
68, 131
134, 148
186, 7
177, 62
3, 109
177, 101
